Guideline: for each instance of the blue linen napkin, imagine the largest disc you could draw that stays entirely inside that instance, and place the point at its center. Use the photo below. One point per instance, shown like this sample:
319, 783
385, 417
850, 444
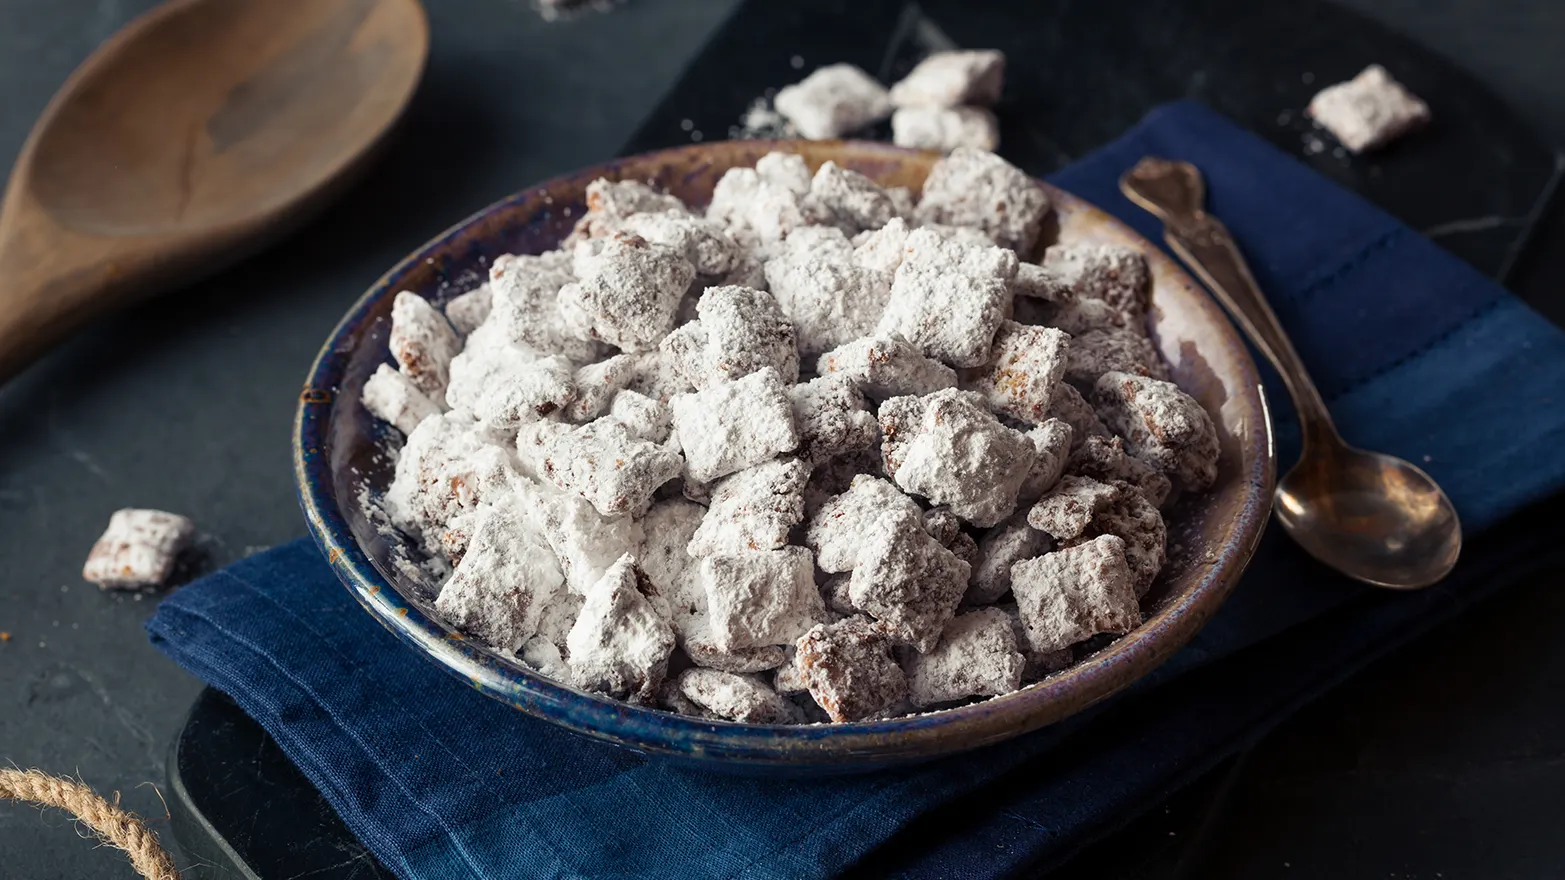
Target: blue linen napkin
1416, 354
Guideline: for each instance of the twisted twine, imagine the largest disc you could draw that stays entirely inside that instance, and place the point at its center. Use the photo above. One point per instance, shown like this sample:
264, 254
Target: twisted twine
114, 826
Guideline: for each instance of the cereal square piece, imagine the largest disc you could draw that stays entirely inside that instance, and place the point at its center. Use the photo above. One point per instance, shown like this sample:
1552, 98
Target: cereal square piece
855, 201
948, 299
620, 644
942, 525
1073, 594
1067, 510
732, 425
1087, 314
504, 581
1115, 274
953, 451
885, 365
741, 698
836, 592
833, 101
848, 669
703, 651
1025, 365
1039, 663
602, 462
909, 583
1113, 350
609, 202
584, 542
666, 531
436, 478
787, 170
643, 416
949, 79
1369, 110
832, 418
979, 189
1052, 439
842, 528
740, 331
1134, 519
1071, 408
753, 509
597, 383
1161, 425
392, 397
503, 386
702, 241
138, 549
627, 293
944, 129
422, 342
756, 598
881, 250
525, 305
492, 478
1105, 460
759, 213
830, 298
658, 377
467, 311
833, 477
975, 657
1003, 546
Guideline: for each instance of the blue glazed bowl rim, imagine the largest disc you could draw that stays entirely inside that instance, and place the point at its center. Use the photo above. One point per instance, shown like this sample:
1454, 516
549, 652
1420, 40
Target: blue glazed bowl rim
706, 742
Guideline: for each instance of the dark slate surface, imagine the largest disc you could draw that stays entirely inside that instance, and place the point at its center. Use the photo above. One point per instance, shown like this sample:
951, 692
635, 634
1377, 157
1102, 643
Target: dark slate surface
185, 403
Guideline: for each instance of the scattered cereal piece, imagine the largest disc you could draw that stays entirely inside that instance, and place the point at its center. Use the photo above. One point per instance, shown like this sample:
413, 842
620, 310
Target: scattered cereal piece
1026, 364
1070, 507
627, 293
1161, 425
944, 129
830, 298
909, 583
1005, 545
1052, 439
1115, 274
525, 305
886, 365
423, 343
620, 645
760, 597
947, 79
753, 509
1113, 350
979, 189
138, 549
585, 543
903, 199
504, 386
1368, 111
833, 101
597, 383
855, 201
832, 418
948, 299
643, 416
949, 448
1105, 460
392, 397
848, 669
732, 425
602, 462
976, 656
467, 311
1075, 593
1087, 314
504, 581
739, 698
786, 680
842, 527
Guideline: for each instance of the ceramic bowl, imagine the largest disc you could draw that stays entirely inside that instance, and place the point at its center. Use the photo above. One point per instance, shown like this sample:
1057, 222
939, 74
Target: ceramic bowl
339, 452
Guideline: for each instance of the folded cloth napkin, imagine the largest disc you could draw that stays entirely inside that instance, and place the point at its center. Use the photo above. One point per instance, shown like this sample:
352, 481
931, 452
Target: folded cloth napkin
1417, 355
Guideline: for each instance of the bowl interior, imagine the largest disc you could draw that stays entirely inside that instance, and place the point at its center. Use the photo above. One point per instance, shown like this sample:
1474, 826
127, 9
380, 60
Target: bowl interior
344, 459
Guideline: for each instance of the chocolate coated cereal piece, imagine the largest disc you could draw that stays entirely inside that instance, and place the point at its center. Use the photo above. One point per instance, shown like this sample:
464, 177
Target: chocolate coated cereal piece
1052, 439
1113, 350
942, 525
503, 386
658, 377
1115, 274
855, 201
585, 543
832, 418
757, 598
740, 331
882, 249
886, 365
666, 532
643, 416
833, 101
627, 293
1368, 111
1067, 510
753, 509
759, 213
138, 549
837, 594
730, 426
739, 698
392, 397
422, 342
525, 305
945, 128
1025, 365
1075, 593
830, 299
848, 669
909, 583
1003, 546
834, 476
1071, 408
979, 189
436, 478
602, 462
976, 656
1039, 663
1134, 519
504, 581
611, 201
842, 528
950, 449
948, 299
467, 311
620, 644
787, 170
949, 79
702, 241
596, 385
1105, 460
1161, 425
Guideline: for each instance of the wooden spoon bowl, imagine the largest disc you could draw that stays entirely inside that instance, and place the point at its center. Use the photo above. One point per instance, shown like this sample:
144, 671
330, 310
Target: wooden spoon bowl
197, 134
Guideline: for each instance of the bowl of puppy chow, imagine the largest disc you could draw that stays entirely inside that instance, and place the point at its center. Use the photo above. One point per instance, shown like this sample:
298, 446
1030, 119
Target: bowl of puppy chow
791, 456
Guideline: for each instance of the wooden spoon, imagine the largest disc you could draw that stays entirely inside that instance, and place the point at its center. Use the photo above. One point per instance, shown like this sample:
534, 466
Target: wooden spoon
198, 133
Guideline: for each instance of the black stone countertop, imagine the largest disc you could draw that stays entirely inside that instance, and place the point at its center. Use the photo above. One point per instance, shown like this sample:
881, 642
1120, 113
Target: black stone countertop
185, 404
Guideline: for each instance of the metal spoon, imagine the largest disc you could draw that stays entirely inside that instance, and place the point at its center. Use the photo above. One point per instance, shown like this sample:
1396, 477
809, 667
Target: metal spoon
198, 133
1370, 516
